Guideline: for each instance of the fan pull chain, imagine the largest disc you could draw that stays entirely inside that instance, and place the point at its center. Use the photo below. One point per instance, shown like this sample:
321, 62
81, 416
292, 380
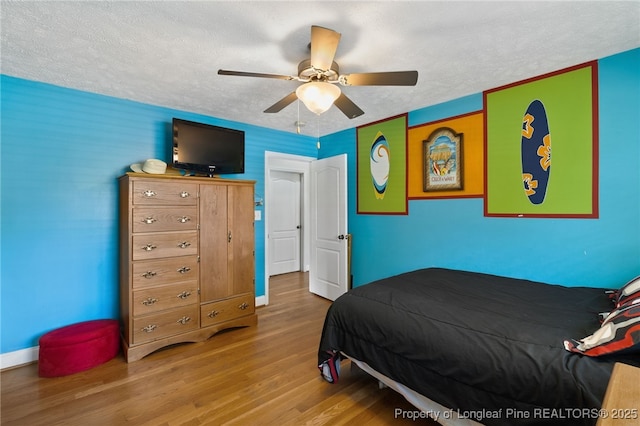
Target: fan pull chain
298, 122
318, 131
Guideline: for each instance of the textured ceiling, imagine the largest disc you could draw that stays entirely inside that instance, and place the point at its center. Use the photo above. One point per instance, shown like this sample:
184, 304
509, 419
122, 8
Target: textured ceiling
167, 53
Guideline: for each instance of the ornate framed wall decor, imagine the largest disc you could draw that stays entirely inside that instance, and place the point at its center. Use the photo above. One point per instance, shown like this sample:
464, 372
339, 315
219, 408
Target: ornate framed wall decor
442, 160
471, 126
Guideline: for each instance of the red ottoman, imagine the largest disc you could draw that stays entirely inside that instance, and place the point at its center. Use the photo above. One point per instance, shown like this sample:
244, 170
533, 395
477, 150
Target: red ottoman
78, 347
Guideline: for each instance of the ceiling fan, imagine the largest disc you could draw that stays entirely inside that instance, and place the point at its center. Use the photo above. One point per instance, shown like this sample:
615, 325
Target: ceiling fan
320, 74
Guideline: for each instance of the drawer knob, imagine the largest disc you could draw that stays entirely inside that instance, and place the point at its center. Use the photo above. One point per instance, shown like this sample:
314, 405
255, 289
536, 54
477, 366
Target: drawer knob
213, 314
184, 270
149, 274
149, 193
184, 244
184, 294
243, 306
149, 247
149, 301
184, 219
184, 320
149, 328
149, 220
184, 194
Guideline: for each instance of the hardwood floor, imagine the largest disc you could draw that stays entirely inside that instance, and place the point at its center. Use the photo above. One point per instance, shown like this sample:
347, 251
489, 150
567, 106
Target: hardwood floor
261, 375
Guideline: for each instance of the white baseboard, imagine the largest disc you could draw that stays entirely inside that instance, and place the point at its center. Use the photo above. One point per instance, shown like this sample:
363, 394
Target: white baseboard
29, 355
261, 300
16, 358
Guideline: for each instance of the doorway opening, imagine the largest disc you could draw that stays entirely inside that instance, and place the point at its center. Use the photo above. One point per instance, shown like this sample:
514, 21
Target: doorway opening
286, 187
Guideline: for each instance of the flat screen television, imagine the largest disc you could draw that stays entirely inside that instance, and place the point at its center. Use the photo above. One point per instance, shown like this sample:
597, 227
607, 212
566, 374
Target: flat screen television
204, 148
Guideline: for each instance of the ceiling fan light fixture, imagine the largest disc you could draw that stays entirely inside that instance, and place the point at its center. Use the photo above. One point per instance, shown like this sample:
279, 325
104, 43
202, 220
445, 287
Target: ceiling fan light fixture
318, 96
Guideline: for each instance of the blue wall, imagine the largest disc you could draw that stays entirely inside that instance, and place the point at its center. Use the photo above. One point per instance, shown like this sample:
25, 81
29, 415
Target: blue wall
62, 152
453, 233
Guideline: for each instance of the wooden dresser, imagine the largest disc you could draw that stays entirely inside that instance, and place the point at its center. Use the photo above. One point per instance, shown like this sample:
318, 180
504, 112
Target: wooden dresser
621, 405
187, 259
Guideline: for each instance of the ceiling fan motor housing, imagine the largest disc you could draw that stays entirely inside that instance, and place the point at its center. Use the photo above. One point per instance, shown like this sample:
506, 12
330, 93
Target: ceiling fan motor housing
320, 73
307, 72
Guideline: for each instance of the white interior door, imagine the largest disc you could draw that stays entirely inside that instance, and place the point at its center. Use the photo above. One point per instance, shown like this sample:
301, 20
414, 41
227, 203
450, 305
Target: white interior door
284, 223
328, 274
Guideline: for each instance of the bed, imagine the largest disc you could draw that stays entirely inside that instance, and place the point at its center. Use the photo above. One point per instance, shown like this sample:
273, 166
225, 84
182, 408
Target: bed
471, 348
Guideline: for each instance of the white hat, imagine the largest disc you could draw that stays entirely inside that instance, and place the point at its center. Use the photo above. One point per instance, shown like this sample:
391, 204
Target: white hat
151, 166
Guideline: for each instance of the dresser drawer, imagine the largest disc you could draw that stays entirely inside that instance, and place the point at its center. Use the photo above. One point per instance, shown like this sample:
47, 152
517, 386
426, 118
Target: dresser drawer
149, 219
164, 324
150, 300
153, 246
151, 273
157, 193
228, 309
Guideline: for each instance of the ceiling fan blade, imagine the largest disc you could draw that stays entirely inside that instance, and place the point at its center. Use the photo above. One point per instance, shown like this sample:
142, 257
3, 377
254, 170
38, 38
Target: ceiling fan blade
255, 74
278, 106
347, 106
324, 43
393, 78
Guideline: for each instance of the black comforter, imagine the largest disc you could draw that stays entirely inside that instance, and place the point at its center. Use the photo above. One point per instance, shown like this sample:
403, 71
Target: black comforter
482, 345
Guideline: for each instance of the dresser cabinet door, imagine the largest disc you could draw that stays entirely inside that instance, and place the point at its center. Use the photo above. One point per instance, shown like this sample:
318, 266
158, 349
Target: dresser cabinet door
214, 244
242, 258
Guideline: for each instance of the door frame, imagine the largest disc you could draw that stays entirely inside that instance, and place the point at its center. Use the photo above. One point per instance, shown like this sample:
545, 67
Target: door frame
282, 162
